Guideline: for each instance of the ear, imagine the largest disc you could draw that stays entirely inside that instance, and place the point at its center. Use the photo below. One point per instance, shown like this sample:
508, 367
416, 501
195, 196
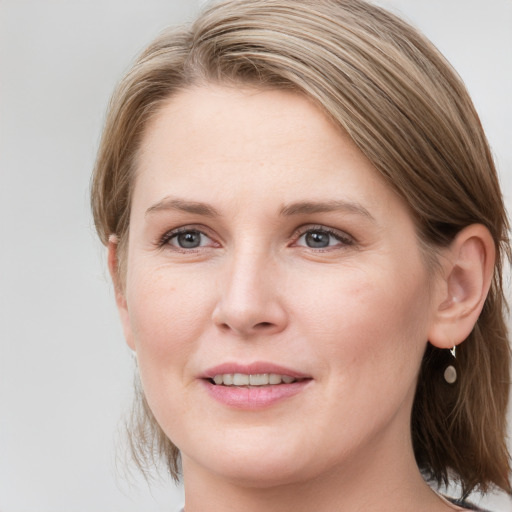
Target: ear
468, 267
122, 306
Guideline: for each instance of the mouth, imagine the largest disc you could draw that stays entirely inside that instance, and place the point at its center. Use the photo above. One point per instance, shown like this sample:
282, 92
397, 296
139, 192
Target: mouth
253, 386
255, 380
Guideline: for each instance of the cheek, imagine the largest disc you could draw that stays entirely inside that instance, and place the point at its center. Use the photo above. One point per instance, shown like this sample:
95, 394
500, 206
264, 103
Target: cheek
370, 319
168, 314
168, 311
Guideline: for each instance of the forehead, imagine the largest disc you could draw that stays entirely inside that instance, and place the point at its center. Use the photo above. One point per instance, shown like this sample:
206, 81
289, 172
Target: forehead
218, 120
221, 143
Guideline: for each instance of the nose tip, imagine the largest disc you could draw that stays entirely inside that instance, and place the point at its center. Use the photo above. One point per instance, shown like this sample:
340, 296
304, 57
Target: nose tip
249, 302
265, 319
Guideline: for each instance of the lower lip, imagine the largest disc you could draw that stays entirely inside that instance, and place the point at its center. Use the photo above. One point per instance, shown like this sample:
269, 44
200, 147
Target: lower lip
256, 397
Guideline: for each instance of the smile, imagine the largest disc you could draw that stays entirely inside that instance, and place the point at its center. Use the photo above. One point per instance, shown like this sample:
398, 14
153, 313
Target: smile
252, 380
253, 386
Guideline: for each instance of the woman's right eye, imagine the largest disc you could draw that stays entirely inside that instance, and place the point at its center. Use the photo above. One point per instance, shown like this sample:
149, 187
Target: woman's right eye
187, 239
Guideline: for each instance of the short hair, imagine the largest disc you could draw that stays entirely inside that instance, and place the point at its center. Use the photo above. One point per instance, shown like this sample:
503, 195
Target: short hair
407, 110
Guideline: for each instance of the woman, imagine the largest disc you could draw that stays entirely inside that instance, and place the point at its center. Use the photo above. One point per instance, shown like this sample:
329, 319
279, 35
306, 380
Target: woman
306, 234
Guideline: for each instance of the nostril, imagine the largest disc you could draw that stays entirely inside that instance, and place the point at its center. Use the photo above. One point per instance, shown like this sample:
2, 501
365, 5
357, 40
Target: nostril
263, 325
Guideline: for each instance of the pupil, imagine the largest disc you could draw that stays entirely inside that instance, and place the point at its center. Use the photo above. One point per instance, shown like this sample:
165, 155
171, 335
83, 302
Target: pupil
317, 239
189, 240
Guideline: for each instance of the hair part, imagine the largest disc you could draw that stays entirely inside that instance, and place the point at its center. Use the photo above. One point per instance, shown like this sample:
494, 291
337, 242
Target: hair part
407, 110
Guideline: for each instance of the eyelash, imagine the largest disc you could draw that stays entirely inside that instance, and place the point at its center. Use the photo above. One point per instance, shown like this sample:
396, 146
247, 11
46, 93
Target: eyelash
174, 233
344, 239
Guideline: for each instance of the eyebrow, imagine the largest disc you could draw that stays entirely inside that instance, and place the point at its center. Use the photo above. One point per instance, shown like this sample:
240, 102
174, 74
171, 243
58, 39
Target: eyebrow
170, 203
308, 207
298, 208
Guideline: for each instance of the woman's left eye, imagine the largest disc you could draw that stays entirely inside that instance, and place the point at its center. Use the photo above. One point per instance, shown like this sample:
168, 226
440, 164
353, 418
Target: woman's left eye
321, 238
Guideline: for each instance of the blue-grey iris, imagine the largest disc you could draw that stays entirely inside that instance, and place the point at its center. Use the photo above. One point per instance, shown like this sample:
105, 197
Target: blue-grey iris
317, 239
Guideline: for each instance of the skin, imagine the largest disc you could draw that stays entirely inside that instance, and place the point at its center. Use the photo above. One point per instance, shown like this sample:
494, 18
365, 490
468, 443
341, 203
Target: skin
354, 316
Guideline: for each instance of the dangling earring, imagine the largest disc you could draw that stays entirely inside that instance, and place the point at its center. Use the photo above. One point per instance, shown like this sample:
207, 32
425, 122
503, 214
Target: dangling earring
450, 374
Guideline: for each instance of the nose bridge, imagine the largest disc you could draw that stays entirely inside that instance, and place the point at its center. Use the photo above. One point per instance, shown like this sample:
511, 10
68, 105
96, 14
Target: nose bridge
249, 300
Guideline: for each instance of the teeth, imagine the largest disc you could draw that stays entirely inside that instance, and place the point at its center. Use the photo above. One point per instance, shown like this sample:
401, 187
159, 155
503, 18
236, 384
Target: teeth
274, 378
258, 379
240, 379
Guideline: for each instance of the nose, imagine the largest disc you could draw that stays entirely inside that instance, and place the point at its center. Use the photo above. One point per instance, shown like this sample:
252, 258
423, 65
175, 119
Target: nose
250, 301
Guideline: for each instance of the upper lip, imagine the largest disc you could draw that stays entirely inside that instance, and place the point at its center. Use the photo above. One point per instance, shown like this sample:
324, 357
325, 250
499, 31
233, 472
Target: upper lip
257, 367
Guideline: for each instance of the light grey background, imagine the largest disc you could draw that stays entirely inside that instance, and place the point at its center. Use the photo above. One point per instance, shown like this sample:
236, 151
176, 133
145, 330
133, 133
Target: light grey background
65, 373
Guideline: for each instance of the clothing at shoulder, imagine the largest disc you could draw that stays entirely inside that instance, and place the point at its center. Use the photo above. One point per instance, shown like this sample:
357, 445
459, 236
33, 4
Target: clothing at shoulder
466, 505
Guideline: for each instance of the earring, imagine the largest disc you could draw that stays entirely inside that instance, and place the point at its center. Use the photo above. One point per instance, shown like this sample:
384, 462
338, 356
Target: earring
450, 374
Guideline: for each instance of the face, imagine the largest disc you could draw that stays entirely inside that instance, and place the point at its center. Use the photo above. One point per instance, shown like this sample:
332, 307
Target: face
275, 291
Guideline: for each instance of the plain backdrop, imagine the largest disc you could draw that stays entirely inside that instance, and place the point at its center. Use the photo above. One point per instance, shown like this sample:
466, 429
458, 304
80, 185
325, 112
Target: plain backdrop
65, 373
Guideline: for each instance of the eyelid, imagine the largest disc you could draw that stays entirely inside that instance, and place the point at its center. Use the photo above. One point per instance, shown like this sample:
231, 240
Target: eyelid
343, 237
163, 240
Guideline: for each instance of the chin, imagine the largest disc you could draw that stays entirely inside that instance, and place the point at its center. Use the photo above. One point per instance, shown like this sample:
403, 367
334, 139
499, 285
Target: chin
256, 465
263, 474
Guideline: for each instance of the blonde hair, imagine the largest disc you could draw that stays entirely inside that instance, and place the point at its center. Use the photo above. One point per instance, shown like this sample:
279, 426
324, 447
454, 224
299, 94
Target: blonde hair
410, 114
